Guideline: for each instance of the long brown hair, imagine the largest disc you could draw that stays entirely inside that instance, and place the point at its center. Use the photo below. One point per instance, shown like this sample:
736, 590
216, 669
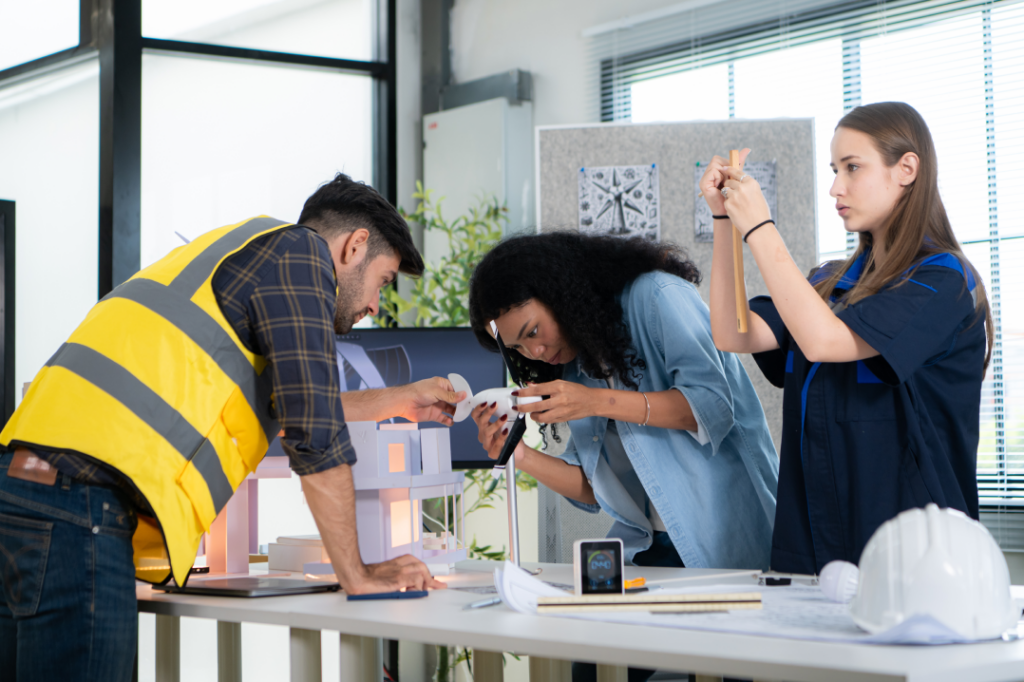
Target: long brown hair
918, 226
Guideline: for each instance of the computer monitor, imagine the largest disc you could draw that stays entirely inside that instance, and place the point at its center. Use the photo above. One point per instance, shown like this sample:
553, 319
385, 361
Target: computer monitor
379, 358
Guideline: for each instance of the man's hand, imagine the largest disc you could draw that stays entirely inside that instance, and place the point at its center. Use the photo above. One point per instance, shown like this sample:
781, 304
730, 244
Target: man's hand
404, 572
429, 400
332, 499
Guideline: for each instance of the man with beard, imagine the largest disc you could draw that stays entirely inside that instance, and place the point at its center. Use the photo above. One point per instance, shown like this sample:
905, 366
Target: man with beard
138, 430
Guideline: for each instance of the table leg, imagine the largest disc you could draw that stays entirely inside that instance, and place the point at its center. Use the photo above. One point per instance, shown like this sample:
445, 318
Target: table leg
488, 666
362, 659
549, 669
229, 652
416, 661
612, 673
168, 648
305, 655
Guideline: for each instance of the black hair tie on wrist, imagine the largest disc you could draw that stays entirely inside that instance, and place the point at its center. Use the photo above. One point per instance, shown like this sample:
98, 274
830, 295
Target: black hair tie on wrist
751, 230
720, 217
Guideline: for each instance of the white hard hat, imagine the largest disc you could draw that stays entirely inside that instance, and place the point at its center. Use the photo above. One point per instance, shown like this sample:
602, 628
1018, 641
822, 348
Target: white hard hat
939, 563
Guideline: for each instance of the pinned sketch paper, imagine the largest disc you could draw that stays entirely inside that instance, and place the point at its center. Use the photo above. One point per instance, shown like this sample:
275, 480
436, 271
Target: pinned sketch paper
762, 171
623, 201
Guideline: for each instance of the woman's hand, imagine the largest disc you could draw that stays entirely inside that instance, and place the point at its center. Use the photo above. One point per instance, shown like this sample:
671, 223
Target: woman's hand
713, 180
565, 402
563, 478
492, 435
744, 202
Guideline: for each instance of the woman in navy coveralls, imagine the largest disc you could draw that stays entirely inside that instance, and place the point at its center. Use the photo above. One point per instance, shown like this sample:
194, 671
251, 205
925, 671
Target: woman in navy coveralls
881, 356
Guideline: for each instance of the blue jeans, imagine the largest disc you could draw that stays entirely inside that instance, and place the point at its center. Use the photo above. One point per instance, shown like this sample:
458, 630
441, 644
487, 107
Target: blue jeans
68, 611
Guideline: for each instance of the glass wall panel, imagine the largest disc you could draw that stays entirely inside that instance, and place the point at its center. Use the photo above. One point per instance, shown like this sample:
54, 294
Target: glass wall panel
328, 28
225, 141
43, 27
49, 134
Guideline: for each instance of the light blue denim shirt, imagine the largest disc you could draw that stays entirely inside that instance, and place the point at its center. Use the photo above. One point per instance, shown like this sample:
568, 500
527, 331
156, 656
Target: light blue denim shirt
717, 500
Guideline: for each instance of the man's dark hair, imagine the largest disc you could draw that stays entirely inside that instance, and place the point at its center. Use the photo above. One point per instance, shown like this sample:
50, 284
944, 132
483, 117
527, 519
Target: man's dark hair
344, 205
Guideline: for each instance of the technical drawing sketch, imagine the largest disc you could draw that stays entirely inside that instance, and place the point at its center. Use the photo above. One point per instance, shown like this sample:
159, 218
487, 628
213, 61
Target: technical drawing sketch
623, 201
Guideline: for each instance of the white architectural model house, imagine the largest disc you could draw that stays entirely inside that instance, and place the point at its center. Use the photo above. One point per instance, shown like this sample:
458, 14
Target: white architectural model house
398, 467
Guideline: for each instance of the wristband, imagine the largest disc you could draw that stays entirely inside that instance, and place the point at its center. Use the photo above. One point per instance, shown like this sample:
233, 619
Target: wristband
647, 418
720, 217
751, 230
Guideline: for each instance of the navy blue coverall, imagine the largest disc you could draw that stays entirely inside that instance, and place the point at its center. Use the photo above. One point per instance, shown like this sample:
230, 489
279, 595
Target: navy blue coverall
863, 441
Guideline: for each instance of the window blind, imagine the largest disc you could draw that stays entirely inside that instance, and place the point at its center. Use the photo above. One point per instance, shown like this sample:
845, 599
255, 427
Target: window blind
959, 62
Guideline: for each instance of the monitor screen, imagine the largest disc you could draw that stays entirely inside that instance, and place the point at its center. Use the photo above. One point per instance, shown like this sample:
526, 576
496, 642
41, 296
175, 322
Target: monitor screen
378, 358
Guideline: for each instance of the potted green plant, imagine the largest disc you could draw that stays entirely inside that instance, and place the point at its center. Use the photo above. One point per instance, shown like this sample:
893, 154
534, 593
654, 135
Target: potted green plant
440, 298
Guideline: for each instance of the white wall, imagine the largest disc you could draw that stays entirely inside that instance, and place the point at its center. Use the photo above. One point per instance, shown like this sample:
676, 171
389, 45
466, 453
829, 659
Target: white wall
539, 36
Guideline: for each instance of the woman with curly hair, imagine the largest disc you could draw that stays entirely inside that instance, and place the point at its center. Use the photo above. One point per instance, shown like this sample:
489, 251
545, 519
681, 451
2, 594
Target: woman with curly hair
667, 434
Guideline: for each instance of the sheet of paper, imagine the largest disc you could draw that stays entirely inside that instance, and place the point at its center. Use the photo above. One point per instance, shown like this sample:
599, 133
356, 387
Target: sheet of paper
519, 590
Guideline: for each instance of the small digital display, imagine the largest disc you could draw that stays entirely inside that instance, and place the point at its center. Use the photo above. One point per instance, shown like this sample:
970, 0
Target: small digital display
601, 564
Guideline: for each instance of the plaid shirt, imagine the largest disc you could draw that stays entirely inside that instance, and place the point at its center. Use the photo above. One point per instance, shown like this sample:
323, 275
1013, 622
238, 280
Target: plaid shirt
279, 295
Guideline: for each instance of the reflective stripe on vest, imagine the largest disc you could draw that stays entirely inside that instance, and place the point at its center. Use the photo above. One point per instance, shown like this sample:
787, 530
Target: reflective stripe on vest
193, 321
120, 384
180, 406
193, 275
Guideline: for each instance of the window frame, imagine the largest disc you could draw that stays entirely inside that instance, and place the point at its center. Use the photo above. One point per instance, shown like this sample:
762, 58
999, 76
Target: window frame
112, 29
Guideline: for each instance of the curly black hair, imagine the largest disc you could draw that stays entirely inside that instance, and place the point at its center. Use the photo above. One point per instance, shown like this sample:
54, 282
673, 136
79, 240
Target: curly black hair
579, 278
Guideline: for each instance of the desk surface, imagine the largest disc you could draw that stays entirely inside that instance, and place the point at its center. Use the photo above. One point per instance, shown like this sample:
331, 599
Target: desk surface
440, 619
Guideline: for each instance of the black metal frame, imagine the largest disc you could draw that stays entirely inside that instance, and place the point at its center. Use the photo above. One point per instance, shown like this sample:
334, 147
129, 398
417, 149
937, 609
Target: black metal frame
113, 28
7, 280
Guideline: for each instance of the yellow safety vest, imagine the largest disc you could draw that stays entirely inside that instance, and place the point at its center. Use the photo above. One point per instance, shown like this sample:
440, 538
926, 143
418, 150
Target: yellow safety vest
156, 384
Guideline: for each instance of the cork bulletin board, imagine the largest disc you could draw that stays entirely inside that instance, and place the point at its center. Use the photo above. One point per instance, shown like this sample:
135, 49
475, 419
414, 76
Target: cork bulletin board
676, 149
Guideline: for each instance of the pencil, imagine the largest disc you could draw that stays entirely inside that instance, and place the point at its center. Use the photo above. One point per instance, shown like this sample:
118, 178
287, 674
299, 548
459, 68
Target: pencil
737, 261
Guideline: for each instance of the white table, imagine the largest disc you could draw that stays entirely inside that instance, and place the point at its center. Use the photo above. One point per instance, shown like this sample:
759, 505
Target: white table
440, 619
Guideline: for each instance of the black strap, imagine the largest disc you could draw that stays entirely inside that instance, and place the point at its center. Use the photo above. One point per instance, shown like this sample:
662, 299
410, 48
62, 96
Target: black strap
751, 230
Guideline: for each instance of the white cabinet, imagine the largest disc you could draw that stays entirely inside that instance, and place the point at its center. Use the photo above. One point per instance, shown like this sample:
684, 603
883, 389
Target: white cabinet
476, 151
